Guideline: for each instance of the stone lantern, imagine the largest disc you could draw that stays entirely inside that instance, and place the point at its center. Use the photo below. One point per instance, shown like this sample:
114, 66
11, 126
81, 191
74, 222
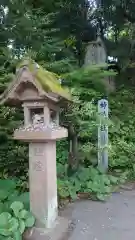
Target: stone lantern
40, 94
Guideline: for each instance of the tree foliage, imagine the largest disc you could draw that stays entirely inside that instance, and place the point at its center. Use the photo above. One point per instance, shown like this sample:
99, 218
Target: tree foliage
55, 34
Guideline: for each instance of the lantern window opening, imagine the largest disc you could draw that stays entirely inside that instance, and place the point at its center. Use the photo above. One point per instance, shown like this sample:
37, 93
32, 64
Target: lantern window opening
36, 115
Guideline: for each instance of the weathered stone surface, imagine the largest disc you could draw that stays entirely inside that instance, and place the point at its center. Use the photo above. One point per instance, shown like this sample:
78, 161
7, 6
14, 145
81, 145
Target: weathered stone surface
60, 231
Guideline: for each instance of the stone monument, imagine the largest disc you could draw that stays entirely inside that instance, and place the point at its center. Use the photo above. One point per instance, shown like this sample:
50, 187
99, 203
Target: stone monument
96, 54
41, 95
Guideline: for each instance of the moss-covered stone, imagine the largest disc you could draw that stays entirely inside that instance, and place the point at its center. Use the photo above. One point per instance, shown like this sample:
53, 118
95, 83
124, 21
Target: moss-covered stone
49, 81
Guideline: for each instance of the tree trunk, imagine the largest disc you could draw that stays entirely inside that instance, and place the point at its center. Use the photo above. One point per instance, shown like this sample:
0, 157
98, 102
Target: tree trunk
73, 151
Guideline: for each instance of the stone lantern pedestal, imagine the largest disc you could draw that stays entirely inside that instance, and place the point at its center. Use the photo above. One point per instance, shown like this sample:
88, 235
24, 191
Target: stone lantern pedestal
41, 130
43, 180
42, 170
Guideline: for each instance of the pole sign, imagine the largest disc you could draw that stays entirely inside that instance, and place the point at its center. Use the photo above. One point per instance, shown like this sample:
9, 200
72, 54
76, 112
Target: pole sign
103, 134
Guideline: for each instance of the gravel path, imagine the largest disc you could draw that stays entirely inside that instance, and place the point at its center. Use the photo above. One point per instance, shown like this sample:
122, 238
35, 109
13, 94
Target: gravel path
114, 220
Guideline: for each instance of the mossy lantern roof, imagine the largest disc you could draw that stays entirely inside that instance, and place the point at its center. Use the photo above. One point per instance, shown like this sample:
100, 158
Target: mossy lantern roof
33, 82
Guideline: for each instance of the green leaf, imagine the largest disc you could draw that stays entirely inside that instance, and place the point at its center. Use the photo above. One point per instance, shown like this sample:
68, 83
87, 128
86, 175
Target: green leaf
122, 180
107, 189
84, 175
101, 197
12, 197
77, 185
3, 194
13, 224
96, 187
5, 232
21, 226
17, 207
7, 184
7, 206
101, 169
23, 214
113, 179
73, 194
63, 191
25, 199
106, 180
17, 235
30, 221
89, 185
4, 219
2, 207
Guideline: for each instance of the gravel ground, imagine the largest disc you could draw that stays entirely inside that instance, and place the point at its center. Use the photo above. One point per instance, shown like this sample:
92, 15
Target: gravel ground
113, 220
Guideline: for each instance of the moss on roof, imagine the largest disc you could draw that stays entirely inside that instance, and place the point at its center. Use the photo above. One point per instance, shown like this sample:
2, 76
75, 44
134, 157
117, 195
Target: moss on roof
48, 80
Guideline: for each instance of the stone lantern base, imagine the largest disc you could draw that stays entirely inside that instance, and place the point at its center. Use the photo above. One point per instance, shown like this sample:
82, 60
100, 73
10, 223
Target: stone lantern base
60, 231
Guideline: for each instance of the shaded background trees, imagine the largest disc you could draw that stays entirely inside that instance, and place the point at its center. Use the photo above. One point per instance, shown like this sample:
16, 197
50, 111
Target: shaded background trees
55, 34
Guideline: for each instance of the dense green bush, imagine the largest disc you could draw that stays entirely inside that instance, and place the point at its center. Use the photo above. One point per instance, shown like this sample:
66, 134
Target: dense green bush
122, 134
88, 180
13, 154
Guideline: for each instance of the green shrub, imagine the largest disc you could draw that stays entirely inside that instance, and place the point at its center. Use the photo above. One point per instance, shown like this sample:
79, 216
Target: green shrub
13, 154
14, 222
122, 134
15, 216
88, 180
